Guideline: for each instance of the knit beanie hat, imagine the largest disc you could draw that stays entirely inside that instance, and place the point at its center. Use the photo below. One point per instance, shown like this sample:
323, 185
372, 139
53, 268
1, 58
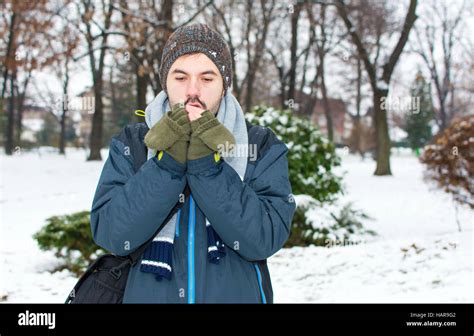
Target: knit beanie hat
197, 38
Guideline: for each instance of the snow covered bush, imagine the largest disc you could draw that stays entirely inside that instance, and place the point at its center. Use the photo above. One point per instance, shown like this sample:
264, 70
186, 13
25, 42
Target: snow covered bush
328, 225
70, 238
449, 160
311, 157
319, 219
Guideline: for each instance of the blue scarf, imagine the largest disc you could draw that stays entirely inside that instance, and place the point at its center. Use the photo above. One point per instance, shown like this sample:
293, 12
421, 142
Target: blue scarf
157, 258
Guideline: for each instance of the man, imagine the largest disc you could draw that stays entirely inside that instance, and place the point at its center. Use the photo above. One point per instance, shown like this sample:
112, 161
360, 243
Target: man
217, 185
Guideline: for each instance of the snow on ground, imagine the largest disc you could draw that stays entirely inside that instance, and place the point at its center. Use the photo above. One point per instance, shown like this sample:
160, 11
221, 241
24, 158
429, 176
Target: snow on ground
34, 188
419, 256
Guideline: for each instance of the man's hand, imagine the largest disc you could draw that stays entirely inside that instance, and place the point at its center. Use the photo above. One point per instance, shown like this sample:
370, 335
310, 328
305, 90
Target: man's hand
194, 112
207, 133
171, 133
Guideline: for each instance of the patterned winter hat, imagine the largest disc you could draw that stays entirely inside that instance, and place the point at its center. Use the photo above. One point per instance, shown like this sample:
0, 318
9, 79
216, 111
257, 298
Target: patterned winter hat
197, 38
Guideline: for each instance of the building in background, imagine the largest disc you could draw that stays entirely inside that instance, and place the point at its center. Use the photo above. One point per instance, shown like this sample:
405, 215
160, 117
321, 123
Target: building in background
83, 107
33, 122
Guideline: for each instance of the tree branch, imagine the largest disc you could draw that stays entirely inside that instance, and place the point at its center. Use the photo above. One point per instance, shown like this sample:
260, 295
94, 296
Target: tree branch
407, 25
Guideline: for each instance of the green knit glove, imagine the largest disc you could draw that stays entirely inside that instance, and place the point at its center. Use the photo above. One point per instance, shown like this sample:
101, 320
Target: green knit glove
171, 134
207, 134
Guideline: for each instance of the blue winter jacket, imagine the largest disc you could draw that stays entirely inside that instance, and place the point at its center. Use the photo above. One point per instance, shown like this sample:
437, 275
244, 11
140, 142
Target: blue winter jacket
252, 217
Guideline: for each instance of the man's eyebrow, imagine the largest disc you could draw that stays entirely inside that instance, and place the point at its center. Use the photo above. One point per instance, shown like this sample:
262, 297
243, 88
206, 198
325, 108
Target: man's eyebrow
207, 72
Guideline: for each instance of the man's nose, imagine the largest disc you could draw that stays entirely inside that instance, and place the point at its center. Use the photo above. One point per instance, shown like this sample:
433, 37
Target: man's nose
193, 89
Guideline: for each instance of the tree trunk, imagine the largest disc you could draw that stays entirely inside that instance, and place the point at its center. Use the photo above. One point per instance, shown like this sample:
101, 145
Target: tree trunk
327, 109
97, 123
294, 47
8, 53
11, 116
142, 86
18, 117
62, 134
249, 90
357, 122
114, 117
167, 15
442, 111
381, 134
254, 64
281, 77
313, 95
282, 94
19, 108
97, 75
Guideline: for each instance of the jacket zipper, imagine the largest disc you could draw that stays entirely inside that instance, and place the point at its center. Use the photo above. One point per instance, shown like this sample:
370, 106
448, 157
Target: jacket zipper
191, 240
191, 231
260, 286
177, 222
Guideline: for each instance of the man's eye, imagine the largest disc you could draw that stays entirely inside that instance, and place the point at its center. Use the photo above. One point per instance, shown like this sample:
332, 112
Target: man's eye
208, 79
179, 78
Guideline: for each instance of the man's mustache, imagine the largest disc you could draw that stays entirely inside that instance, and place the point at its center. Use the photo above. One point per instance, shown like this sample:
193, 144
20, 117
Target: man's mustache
195, 100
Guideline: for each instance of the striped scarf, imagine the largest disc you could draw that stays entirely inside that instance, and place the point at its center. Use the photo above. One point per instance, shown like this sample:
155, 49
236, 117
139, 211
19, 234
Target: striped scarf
158, 256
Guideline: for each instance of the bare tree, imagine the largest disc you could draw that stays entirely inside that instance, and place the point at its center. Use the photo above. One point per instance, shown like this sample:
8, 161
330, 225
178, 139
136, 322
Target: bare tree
439, 24
326, 39
287, 72
355, 80
250, 45
26, 27
147, 26
276, 51
10, 49
96, 51
221, 17
380, 85
21, 87
295, 16
255, 51
70, 41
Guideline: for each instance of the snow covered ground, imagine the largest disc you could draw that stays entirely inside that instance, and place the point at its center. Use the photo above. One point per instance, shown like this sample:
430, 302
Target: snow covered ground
418, 256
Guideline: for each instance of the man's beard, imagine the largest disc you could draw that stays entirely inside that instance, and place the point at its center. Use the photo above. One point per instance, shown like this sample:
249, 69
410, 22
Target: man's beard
214, 109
